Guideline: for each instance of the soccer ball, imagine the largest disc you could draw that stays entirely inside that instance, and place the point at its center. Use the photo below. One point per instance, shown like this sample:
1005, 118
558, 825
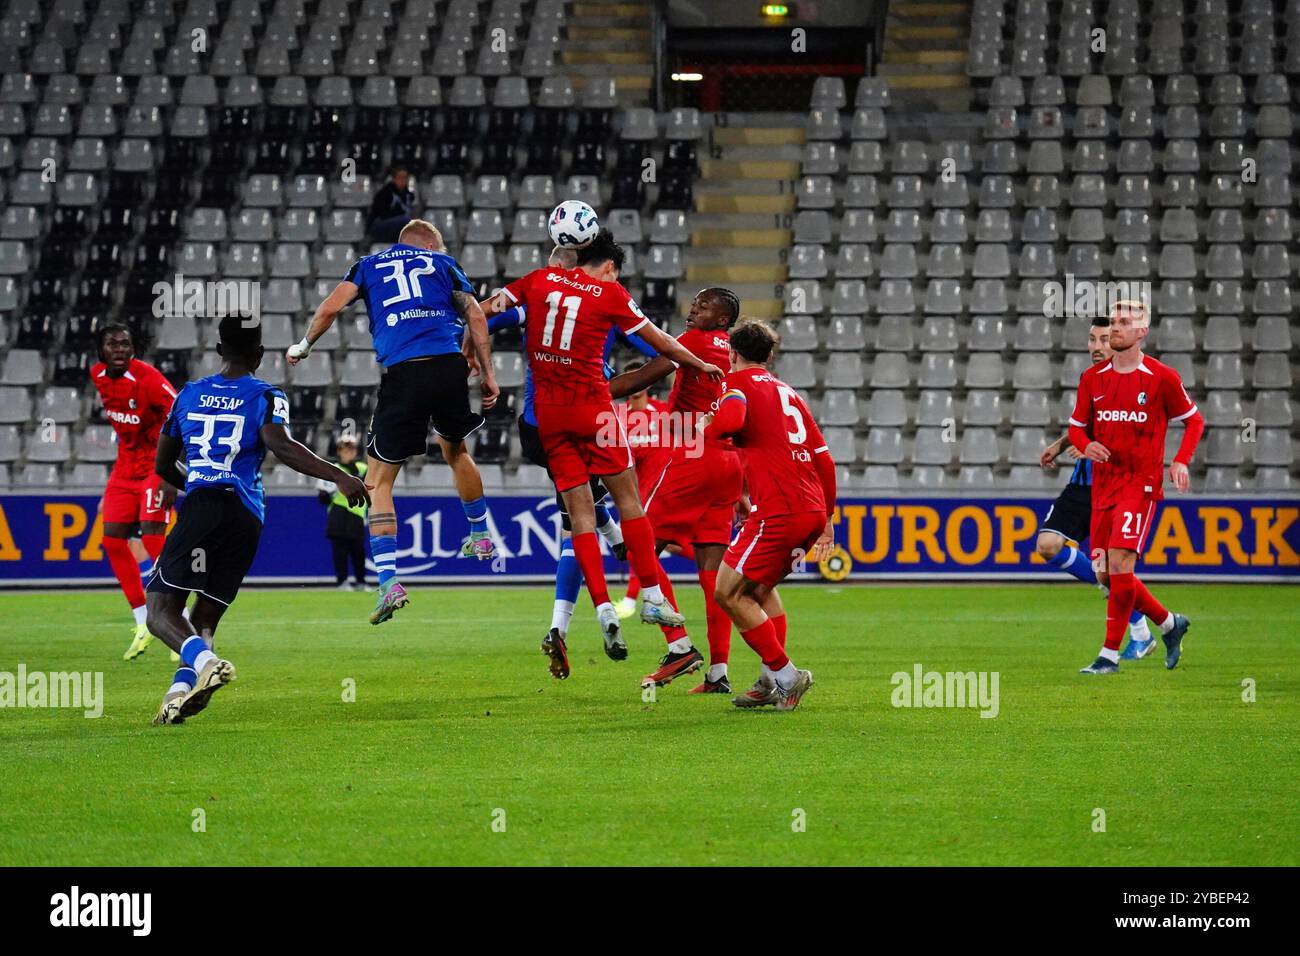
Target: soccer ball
573, 224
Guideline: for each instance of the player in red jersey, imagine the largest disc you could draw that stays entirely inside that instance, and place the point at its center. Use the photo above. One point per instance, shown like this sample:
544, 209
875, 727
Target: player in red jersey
1121, 413
136, 399
570, 312
643, 417
691, 501
791, 479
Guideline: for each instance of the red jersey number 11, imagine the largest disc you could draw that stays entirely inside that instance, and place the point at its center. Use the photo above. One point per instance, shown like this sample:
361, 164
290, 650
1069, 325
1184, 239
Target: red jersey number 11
570, 304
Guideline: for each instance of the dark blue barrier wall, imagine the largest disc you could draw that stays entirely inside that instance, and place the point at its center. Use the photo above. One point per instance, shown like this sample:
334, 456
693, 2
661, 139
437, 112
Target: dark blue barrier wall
56, 539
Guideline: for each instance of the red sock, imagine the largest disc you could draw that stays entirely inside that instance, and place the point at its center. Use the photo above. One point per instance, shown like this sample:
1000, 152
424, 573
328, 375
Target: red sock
779, 624
640, 540
586, 548
763, 640
125, 569
153, 543
1147, 604
633, 585
666, 585
675, 632
1119, 608
719, 623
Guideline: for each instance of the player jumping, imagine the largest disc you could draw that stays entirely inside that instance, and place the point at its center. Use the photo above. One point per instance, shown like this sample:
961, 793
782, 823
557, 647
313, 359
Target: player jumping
691, 500
1120, 417
1070, 514
136, 400
570, 312
643, 415
791, 479
419, 303
222, 426
568, 575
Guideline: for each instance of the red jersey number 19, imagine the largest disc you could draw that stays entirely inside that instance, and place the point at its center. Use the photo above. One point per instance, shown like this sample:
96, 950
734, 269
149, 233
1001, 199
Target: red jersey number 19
555, 301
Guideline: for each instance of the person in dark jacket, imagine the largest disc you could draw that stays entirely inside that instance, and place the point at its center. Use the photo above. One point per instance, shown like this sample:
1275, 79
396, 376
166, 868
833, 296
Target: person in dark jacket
345, 526
393, 208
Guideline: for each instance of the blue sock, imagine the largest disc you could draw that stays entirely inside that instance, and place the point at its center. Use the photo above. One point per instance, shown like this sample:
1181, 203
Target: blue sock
476, 512
383, 551
1135, 618
185, 679
1075, 562
603, 517
568, 575
191, 649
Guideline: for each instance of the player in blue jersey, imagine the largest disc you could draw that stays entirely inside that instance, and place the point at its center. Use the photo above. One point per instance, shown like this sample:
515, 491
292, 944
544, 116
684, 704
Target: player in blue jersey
568, 576
1070, 516
419, 304
222, 426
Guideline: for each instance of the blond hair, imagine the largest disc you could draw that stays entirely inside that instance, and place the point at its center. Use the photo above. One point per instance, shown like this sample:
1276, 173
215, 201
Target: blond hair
1142, 315
563, 257
421, 230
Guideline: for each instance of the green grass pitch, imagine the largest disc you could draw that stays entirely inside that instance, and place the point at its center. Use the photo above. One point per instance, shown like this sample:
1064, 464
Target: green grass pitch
457, 726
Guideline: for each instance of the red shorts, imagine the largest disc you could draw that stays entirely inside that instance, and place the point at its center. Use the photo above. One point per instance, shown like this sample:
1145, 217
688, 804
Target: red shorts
767, 549
582, 441
134, 501
1124, 524
694, 499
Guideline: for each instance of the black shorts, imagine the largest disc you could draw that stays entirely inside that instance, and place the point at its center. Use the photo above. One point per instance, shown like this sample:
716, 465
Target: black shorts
1071, 513
414, 393
530, 443
211, 547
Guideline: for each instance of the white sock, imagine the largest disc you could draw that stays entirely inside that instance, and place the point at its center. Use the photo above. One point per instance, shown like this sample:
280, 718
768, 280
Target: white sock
716, 673
561, 616
680, 646
204, 657
651, 593
1112, 656
1139, 631
786, 676
766, 675
1167, 624
611, 532
185, 613
628, 601
178, 686
600, 609
140, 613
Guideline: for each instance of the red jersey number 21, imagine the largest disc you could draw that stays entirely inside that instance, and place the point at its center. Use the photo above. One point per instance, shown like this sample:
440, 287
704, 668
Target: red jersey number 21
1132, 524
554, 302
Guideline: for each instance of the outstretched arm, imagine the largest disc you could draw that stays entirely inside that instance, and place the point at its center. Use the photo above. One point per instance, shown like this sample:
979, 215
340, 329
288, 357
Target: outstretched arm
303, 460
638, 380
326, 313
476, 323
668, 347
